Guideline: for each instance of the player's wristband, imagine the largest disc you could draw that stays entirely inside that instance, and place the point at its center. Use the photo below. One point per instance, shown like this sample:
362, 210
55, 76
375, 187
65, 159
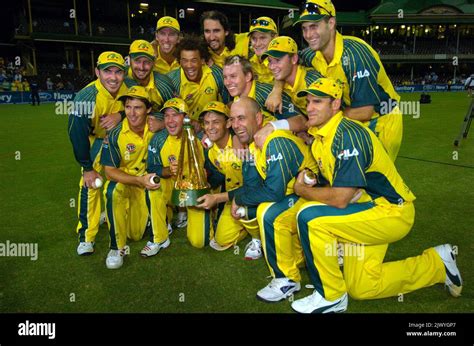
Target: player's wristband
280, 124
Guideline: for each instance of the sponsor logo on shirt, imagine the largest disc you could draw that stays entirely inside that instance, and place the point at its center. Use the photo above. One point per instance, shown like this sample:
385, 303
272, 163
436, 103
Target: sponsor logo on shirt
347, 153
360, 74
131, 148
273, 158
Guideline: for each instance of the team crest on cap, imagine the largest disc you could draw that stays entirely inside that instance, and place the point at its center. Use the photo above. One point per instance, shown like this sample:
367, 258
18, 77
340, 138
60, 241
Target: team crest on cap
113, 56
143, 46
212, 105
167, 21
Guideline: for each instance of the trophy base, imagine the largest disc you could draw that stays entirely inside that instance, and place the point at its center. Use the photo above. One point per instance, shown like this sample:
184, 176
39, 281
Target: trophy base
187, 198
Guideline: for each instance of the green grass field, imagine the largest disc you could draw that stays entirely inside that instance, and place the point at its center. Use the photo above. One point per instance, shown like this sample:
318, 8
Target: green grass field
37, 189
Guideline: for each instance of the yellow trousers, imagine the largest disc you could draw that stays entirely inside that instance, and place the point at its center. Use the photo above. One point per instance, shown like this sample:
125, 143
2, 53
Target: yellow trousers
127, 213
89, 205
369, 228
230, 231
280, 242
199, 229
389, 129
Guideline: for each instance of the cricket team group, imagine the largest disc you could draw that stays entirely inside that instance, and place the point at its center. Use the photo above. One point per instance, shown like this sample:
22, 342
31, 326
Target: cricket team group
297, 151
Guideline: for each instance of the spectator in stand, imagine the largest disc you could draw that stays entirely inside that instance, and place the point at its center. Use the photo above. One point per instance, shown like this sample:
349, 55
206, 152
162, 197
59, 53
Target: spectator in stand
63, 66
3, 75
60, 85
70, 66
100, 30
17, 77
26, 85
49, 84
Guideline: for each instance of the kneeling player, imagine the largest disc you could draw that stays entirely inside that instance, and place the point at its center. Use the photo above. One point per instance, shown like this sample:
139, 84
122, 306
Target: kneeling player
124, 155
163, 157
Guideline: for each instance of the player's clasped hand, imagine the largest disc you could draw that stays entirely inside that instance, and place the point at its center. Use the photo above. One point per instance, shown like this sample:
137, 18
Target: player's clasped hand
146, 182
299, 183
206, 202
233, 210
109, 121
174, 167
90, 177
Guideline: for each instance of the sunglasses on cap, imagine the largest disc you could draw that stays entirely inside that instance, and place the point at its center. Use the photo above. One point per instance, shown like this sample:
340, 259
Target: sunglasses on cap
313, 8
261, 22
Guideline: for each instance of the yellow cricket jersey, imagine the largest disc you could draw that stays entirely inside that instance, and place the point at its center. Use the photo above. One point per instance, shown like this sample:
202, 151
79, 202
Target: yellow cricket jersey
304, 78
283, 155
350, 155
227, 164
161, 65
159, 88
126, 150
92, 102
241, 48
260, 91
357, 65
198, 95
261, 69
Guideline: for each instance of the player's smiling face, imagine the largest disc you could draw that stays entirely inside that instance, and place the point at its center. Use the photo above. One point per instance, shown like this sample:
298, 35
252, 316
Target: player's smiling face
215, 126
317, 34
243, 123
235, 80
173, 121
111, 78
281, 67
191, 63
260, 41
215, 34
320, 110
167, 39
136, 113
141, 68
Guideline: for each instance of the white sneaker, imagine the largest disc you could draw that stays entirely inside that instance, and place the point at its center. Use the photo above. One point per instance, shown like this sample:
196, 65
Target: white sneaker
115, 257
453, 276
170, 229
85, 248
278, 289
181, 219
151, 249
103, 218
253, 250
215, 245
316, 304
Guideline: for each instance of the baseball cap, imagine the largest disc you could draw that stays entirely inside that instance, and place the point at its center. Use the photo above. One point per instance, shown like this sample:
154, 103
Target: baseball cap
217, 107
140, 48
177, 104
262, 24
137, 92
323, 87
315, 10
167, 22
280, 46
107, 59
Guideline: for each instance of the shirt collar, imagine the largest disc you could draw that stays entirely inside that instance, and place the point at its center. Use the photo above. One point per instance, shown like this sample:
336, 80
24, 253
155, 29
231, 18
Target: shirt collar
328, 128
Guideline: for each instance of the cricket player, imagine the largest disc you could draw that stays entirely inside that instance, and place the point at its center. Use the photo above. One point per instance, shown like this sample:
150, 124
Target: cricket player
282, 55
262, 31
351, 157
141, 72
124, 156
369, 95
270, 188
167, 35
163, 157
195, 82
221, 41
239, 79
96, 110
222, 158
